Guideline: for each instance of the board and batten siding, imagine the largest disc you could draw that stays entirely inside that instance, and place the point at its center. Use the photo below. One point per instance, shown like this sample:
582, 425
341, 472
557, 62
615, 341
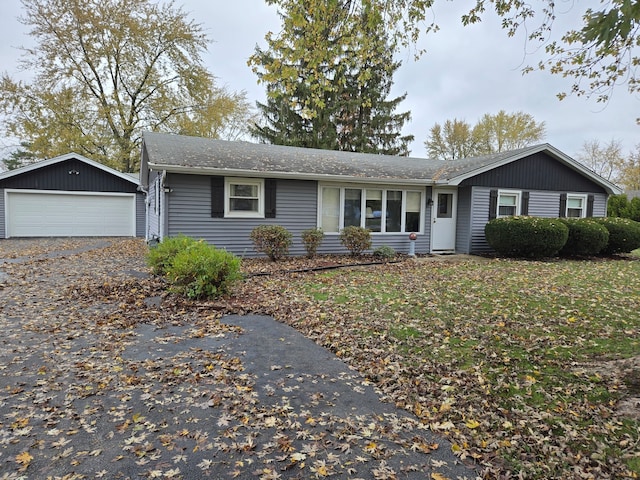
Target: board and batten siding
541, 204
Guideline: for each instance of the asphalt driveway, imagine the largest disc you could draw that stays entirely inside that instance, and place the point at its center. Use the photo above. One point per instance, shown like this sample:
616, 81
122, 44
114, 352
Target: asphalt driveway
102, 375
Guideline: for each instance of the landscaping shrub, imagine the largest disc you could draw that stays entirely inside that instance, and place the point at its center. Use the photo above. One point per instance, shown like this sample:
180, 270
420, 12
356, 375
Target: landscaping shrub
160, 257
355, 239
385, 252
312, 238
272, 240
203, 271
624, 234
586, 237
532, 237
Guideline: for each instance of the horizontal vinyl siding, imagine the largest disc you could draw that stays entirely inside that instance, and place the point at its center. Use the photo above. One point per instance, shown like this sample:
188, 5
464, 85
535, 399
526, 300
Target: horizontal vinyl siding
140, 214
541, 204
190, 214
296, 210
3, 233
600, 205
463, 221
479, 218
544, 204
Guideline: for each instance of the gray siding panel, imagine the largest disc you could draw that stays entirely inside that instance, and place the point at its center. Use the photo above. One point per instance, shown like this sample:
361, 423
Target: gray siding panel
3, 233
140, 214
189, 213
600, 205
544, 204
479, 218
463, 221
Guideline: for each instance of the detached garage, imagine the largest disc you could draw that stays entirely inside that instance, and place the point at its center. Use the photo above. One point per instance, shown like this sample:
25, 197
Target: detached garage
70, 196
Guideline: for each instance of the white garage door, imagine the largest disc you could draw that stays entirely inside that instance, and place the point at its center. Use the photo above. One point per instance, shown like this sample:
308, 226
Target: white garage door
63, 214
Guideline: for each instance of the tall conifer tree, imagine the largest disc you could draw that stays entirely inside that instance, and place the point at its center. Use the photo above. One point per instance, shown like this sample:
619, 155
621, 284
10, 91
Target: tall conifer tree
328, 75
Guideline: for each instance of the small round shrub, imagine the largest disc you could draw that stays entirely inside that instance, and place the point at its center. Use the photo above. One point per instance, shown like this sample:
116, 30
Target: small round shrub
385, 252
624, 234
586, 237
272, 240
160, 257
203, 271
355, 239
312, 238
532, 237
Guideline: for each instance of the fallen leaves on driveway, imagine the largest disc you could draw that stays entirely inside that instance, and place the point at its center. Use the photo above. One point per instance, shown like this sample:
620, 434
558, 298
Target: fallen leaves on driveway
105, 375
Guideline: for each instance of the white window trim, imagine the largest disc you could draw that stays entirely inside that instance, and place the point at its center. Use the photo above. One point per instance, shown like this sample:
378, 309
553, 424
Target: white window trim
582, 197
518, 195
385, 188
228, 213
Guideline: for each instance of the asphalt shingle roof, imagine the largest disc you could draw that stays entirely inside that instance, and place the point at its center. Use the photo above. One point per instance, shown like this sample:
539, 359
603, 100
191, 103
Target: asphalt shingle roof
168, 150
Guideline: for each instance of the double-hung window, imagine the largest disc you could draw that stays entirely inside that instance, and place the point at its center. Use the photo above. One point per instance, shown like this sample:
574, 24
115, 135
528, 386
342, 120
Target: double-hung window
244, 197
576, 206
508, 203
377, 209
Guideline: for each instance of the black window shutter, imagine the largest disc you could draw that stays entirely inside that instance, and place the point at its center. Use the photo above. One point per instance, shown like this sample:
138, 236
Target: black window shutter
590, 200
493, 204
217, 197
270, 187
524, 210
563, 205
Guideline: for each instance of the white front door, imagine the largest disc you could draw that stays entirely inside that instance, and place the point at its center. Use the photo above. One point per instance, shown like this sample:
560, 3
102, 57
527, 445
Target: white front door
443, 220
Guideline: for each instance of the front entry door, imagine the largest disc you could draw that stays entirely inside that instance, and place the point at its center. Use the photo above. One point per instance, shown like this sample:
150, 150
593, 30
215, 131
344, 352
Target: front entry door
443, 220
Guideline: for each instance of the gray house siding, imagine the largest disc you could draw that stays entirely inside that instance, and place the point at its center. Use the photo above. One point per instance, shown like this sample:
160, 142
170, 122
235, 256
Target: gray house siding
189, 213
463, 221
153, 211
3, 232
141, 220
535, 172
541, 204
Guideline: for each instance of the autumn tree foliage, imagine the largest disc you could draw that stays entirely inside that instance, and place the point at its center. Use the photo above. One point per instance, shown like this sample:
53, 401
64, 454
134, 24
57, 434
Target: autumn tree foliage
328, 75
491, 134
103, 71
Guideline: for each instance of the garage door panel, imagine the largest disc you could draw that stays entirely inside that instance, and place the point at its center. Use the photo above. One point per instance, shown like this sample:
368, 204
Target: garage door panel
50, 215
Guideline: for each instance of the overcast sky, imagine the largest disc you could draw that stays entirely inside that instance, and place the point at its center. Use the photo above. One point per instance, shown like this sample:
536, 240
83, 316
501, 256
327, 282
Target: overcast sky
466, 72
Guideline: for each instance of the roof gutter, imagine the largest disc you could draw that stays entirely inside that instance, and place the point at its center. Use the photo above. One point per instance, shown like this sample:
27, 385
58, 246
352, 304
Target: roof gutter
287, 175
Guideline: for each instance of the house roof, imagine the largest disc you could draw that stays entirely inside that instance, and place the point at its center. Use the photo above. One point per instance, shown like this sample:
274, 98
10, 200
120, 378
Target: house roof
179, 153
63, 158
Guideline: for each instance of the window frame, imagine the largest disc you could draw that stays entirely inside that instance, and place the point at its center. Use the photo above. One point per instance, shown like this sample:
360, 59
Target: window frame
584, 201
363, 203
518, 205
254, 182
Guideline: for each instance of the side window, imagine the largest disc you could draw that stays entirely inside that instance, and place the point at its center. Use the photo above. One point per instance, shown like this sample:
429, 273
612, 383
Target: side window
508, 203
576, 206
244, 197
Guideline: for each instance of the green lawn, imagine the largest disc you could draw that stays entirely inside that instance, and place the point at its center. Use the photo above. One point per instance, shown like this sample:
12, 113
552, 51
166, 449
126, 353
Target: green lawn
515, 361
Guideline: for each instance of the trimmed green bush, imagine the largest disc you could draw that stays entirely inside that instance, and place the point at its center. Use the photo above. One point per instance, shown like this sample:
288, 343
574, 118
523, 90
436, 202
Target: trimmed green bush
586, 237
312, 238
355, 239
160, 257
203, 271
624, 234
532, 237
272, 240
385, 252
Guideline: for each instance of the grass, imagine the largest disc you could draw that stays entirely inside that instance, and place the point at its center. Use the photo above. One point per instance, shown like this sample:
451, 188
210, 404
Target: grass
505, 357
